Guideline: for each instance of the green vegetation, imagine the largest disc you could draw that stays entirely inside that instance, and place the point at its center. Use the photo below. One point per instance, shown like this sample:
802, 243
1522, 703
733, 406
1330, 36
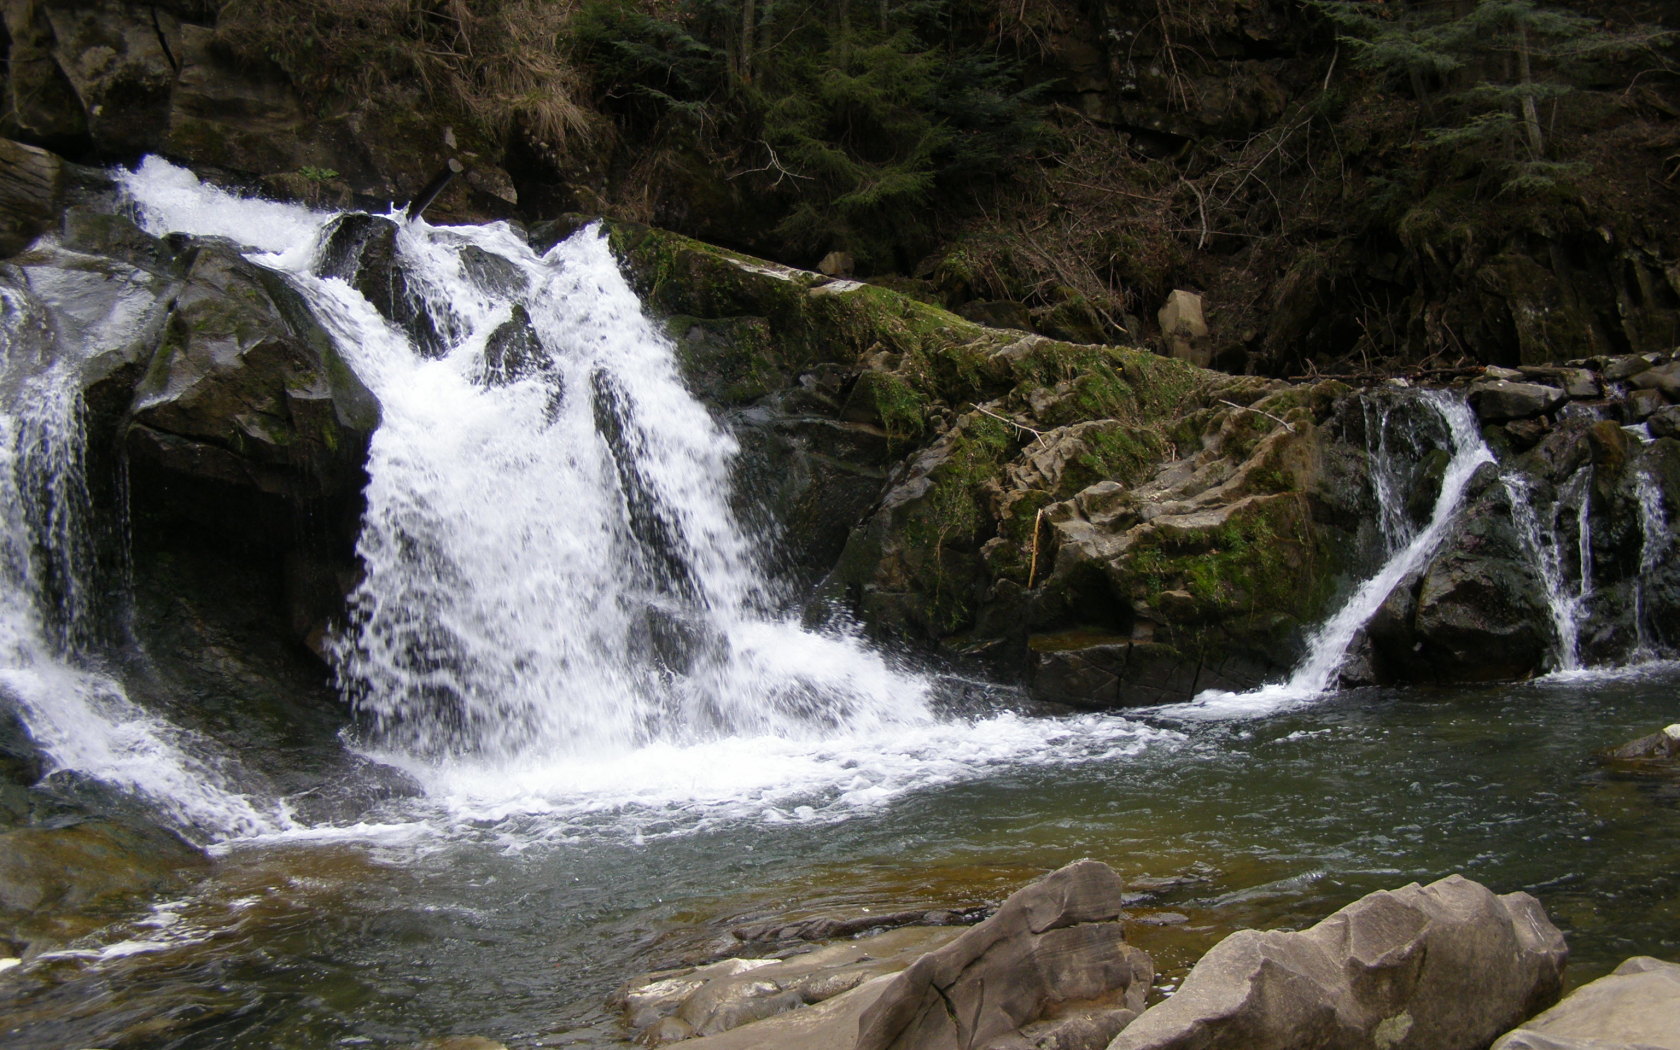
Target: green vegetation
1353, 184
1483, 72
855, 124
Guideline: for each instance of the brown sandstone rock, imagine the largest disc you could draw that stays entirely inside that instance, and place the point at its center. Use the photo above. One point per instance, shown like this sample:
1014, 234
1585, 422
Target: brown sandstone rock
1446, 966
1053, 949
1637, 1007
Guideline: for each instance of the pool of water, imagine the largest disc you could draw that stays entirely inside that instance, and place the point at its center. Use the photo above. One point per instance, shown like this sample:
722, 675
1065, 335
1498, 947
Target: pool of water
386, 937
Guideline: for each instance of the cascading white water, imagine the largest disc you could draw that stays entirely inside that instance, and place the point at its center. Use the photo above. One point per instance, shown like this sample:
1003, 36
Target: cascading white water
561, 620
1654, 543
1328, 645
80, 717
1566, 604
552, 563
1389, 449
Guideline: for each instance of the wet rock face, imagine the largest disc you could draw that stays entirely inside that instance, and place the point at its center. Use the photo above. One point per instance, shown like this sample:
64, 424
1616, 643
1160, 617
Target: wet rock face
31, 194
244, 417
1438, 967
362, 250
111, 80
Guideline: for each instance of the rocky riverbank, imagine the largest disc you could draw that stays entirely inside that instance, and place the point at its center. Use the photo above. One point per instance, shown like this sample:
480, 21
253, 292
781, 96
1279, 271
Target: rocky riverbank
1448, 966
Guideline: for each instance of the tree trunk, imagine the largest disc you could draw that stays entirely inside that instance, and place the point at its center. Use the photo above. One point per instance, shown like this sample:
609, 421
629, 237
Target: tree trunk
749, 22
1530, 112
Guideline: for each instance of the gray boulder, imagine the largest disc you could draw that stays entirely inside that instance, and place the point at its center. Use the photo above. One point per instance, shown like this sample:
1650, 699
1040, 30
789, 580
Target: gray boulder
1441, 967
1498, 400
1665, 422
1054, 952
1663, 378
245, 390
1619, 368
1637, 1007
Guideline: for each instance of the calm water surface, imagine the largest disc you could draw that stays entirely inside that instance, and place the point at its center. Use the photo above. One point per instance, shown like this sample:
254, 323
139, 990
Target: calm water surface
357, 943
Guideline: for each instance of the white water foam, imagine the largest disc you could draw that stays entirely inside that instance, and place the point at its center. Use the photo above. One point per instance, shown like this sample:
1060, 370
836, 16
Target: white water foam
1327, 647
563, 629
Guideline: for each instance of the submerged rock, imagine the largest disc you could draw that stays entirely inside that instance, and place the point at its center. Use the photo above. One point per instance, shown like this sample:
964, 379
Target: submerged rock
1446, 966
1660, 746
88, 865
1637, 1007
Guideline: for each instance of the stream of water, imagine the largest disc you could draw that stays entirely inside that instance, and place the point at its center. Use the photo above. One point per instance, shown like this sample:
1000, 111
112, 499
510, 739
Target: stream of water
628, 741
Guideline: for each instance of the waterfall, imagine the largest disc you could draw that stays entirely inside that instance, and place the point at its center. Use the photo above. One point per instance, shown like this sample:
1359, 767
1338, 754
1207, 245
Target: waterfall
1328, 645
79, 716
552, 564
1655, 538
1390, 448
1566, 604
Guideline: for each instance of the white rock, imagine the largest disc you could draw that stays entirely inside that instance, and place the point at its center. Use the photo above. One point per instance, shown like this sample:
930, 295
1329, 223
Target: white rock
1184, 328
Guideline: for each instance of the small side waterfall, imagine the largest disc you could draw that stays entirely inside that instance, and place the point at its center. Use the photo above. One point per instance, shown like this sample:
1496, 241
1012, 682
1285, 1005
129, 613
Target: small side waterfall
1390, 449
78, 715
1544, 541
1655, 540
1327, 646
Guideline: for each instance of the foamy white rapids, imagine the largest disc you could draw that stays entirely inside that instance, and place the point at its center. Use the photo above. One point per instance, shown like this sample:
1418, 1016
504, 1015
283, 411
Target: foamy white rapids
667, 789
562, 619
1328, 645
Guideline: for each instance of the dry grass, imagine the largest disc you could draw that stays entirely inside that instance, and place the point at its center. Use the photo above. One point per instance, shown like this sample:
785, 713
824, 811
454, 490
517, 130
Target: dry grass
501, 64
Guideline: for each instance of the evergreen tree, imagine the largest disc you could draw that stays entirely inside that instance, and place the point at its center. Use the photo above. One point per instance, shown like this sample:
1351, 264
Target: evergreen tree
1494, 62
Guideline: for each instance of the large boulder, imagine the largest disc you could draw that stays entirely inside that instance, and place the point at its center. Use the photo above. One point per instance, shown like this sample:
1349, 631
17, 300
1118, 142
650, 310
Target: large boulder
1637, 1007
1184, 329
1446, 966
1054, 951
1497, 400
245, 394
1663, 378
1476, 611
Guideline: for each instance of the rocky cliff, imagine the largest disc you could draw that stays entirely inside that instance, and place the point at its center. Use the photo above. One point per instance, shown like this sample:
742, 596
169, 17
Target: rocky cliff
1059, 167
